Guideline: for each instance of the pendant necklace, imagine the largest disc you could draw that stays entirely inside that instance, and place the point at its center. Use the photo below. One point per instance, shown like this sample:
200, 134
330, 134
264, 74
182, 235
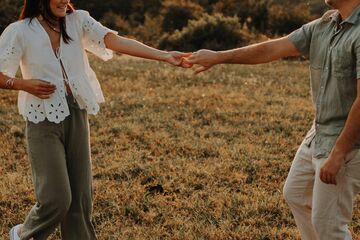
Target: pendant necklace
49, 25
52, 28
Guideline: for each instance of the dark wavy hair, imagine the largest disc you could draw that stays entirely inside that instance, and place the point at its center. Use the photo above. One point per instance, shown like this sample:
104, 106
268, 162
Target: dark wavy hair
34, 8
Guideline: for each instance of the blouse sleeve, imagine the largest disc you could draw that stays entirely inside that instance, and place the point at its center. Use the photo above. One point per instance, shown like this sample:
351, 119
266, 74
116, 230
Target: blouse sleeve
11, 49
93, 34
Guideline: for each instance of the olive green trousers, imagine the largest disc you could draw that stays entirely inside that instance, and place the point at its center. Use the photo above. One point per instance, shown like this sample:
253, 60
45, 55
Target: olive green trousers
61, 170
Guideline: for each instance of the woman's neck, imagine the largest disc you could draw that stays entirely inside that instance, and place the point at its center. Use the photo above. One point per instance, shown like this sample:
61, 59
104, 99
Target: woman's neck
53, 22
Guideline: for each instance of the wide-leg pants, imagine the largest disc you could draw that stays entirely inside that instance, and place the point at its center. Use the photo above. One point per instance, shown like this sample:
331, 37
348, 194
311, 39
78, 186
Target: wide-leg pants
322, 211
62, 178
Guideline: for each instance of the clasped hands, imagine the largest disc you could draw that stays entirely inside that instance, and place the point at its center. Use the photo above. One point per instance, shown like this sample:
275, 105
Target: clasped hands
202, 59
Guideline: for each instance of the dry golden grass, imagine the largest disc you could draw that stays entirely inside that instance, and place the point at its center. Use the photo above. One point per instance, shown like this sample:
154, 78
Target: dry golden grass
178, 156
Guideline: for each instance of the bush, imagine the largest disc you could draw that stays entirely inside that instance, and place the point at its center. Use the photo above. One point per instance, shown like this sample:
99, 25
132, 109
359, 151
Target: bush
143, 8
116, 22
150, 31
177, 14
271, 16
212, 32
283, 20
252, 12
9, 12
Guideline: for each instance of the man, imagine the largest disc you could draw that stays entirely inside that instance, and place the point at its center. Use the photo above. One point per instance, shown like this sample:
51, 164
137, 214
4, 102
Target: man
325, 174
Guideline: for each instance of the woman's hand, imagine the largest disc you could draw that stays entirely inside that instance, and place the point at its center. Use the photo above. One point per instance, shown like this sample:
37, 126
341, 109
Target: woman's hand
177, 59
204, 58
39, 88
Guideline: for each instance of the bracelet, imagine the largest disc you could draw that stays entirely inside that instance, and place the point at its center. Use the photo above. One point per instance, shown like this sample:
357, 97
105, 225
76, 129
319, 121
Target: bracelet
9, 84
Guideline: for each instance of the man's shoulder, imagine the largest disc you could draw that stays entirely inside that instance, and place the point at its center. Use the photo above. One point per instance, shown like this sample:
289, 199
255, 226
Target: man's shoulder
328, 15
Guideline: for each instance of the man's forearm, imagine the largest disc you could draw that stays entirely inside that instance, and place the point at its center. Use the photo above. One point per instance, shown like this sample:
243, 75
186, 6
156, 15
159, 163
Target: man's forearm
259, 53
253, 54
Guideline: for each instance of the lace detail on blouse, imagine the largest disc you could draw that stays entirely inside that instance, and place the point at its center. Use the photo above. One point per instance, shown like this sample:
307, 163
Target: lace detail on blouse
54, 109
38, 62
10, 49
94, 34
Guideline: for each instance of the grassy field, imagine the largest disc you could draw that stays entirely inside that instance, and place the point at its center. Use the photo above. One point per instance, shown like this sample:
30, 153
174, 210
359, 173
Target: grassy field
178, 156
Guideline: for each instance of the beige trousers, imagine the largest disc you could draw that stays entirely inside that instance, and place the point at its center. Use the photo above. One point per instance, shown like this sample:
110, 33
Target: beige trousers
322, 211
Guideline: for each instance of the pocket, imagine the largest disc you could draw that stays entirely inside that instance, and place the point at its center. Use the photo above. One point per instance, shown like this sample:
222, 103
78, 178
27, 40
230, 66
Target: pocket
309, 137
342, 61
351, 156
352, 164
342, 56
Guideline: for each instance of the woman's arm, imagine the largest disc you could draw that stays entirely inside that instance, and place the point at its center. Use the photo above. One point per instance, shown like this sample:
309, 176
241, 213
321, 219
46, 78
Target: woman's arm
137, 49
38, 88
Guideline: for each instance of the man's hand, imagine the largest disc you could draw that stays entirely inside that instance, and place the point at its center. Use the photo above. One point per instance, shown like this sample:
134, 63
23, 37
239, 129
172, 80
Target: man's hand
204, 58
177, 59
38, 88
331, 167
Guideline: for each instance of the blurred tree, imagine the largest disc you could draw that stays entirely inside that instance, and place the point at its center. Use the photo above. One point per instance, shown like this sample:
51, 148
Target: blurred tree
148, 20
150, 31
116, 22
211, 31
283, 20
254, 12
9, 12
177, 14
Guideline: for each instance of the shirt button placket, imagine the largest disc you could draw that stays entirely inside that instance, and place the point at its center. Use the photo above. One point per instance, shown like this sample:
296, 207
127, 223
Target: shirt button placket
322, 85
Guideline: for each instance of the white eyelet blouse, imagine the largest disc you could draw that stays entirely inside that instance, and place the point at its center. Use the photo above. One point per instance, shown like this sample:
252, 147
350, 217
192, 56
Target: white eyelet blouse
27, 44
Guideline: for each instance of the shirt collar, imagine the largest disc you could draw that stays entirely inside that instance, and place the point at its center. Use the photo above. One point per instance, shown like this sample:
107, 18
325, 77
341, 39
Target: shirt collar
352, 19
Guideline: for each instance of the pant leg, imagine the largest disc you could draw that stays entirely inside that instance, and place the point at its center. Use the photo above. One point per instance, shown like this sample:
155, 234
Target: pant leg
50, 179
298, 190
77, 222
333, 204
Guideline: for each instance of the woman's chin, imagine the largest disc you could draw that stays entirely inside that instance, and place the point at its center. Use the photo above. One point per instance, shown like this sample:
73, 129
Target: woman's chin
59, 14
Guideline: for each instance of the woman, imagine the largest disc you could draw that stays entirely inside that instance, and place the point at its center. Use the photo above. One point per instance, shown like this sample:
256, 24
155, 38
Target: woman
57, 92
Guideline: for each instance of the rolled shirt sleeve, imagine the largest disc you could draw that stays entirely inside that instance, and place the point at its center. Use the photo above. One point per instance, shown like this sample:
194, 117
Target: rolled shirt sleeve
301, 37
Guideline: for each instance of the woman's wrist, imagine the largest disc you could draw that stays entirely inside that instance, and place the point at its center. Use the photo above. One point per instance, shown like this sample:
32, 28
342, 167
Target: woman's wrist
9, 83
164, 56
17, 85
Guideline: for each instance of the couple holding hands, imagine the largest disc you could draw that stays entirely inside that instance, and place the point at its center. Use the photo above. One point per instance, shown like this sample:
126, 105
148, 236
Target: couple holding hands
59, 89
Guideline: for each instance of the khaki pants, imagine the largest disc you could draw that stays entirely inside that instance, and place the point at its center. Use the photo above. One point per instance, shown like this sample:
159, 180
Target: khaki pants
322, 211
61, 169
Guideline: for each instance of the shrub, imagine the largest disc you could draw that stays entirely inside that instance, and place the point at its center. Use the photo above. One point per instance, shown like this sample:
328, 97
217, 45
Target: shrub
212, 32
9, 12
142, 8
177, 14
254, 12
150, 31
283, 20
271, 16
116, 22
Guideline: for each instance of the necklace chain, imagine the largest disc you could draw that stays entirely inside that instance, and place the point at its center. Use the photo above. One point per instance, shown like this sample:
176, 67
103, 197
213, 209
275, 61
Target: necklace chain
51, 27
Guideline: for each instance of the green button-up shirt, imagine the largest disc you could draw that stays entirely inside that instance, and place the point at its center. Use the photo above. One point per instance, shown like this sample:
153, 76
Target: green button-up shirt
333, 49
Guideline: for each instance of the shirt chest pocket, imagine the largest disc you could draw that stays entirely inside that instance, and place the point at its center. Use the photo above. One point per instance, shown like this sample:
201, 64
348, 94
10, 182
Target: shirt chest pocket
343, 61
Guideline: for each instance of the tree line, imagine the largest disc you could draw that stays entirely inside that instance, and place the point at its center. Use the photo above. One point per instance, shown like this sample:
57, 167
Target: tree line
192, 24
